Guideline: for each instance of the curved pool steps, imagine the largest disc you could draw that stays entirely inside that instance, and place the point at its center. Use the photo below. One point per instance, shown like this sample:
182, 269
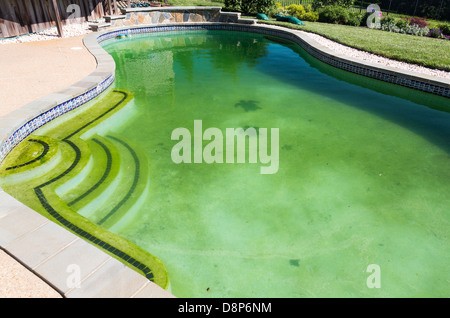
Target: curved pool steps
132, 188
78, 159
117, 187
105, 169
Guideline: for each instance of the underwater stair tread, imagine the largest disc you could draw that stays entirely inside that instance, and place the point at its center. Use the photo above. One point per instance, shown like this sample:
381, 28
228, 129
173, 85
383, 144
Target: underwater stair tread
103, 171
134, 179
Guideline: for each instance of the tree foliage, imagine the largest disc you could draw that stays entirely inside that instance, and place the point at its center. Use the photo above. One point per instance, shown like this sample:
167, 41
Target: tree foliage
323, 3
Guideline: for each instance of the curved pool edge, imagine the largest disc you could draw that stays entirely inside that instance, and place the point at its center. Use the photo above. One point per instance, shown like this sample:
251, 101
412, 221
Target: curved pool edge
20, 225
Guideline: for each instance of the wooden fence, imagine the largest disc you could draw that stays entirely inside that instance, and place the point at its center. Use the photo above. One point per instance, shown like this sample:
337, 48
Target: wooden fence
18, 17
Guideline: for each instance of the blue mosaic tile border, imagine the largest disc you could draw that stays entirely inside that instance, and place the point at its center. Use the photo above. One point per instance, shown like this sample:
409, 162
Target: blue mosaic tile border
357, 69
44, 118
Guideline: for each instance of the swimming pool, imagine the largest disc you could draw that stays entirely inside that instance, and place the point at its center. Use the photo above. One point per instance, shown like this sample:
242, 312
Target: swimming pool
362, 176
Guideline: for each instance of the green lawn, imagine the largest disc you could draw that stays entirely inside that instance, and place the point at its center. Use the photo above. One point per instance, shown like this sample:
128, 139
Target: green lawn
429, 52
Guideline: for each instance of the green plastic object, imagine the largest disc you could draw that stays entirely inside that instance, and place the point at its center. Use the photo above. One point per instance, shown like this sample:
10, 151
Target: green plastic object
294, 20
262, 16
290, 19
281, 18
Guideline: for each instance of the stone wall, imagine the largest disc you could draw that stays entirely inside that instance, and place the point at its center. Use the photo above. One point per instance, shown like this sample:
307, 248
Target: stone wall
163, 15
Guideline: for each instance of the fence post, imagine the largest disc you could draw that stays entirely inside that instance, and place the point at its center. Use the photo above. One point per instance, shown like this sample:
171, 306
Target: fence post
58, 19
361, 6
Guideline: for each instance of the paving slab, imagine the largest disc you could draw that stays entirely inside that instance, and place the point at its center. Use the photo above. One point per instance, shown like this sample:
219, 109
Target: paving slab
37, 246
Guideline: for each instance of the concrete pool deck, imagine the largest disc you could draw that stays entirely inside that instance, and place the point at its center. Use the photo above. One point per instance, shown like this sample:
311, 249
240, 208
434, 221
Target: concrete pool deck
66, 62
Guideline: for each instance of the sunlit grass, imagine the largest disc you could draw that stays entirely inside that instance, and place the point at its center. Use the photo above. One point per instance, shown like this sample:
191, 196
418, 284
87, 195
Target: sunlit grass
426, 51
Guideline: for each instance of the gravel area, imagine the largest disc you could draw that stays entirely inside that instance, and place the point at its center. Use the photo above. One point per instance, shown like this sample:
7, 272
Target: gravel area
70, 30
18, 282
369, 57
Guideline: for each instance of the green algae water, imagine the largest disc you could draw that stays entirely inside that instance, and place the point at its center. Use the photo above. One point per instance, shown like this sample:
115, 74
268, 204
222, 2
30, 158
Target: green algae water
359, 205
364, 176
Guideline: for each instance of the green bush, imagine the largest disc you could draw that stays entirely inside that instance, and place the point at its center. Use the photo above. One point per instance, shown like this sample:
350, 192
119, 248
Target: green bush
248, 7
265, 6
312, 16
334, 14
302, 13
445, 28
325, 3
280, 10
232, 5
402, 23
257, 6
399, 26
354, 19
386, 21
436, 33
296, 10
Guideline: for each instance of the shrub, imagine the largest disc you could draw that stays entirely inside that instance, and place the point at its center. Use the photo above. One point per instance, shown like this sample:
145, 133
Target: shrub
299, 11
324, 3
402, 23
312, 16
248, 6
256, 6
296, 10
420, 22
265, 6
354, 19
391, 25
413, 29
386, 21
333, 14
445, 28
232, 5
436, 33
280, 10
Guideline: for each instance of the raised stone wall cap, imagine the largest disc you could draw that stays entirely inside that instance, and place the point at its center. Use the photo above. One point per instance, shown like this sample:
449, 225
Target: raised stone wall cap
231, 13
113, 17
145, 9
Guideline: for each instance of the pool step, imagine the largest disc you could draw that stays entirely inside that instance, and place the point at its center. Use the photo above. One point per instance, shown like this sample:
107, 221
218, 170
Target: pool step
95, 27
132, 187
101, 171
112, 185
